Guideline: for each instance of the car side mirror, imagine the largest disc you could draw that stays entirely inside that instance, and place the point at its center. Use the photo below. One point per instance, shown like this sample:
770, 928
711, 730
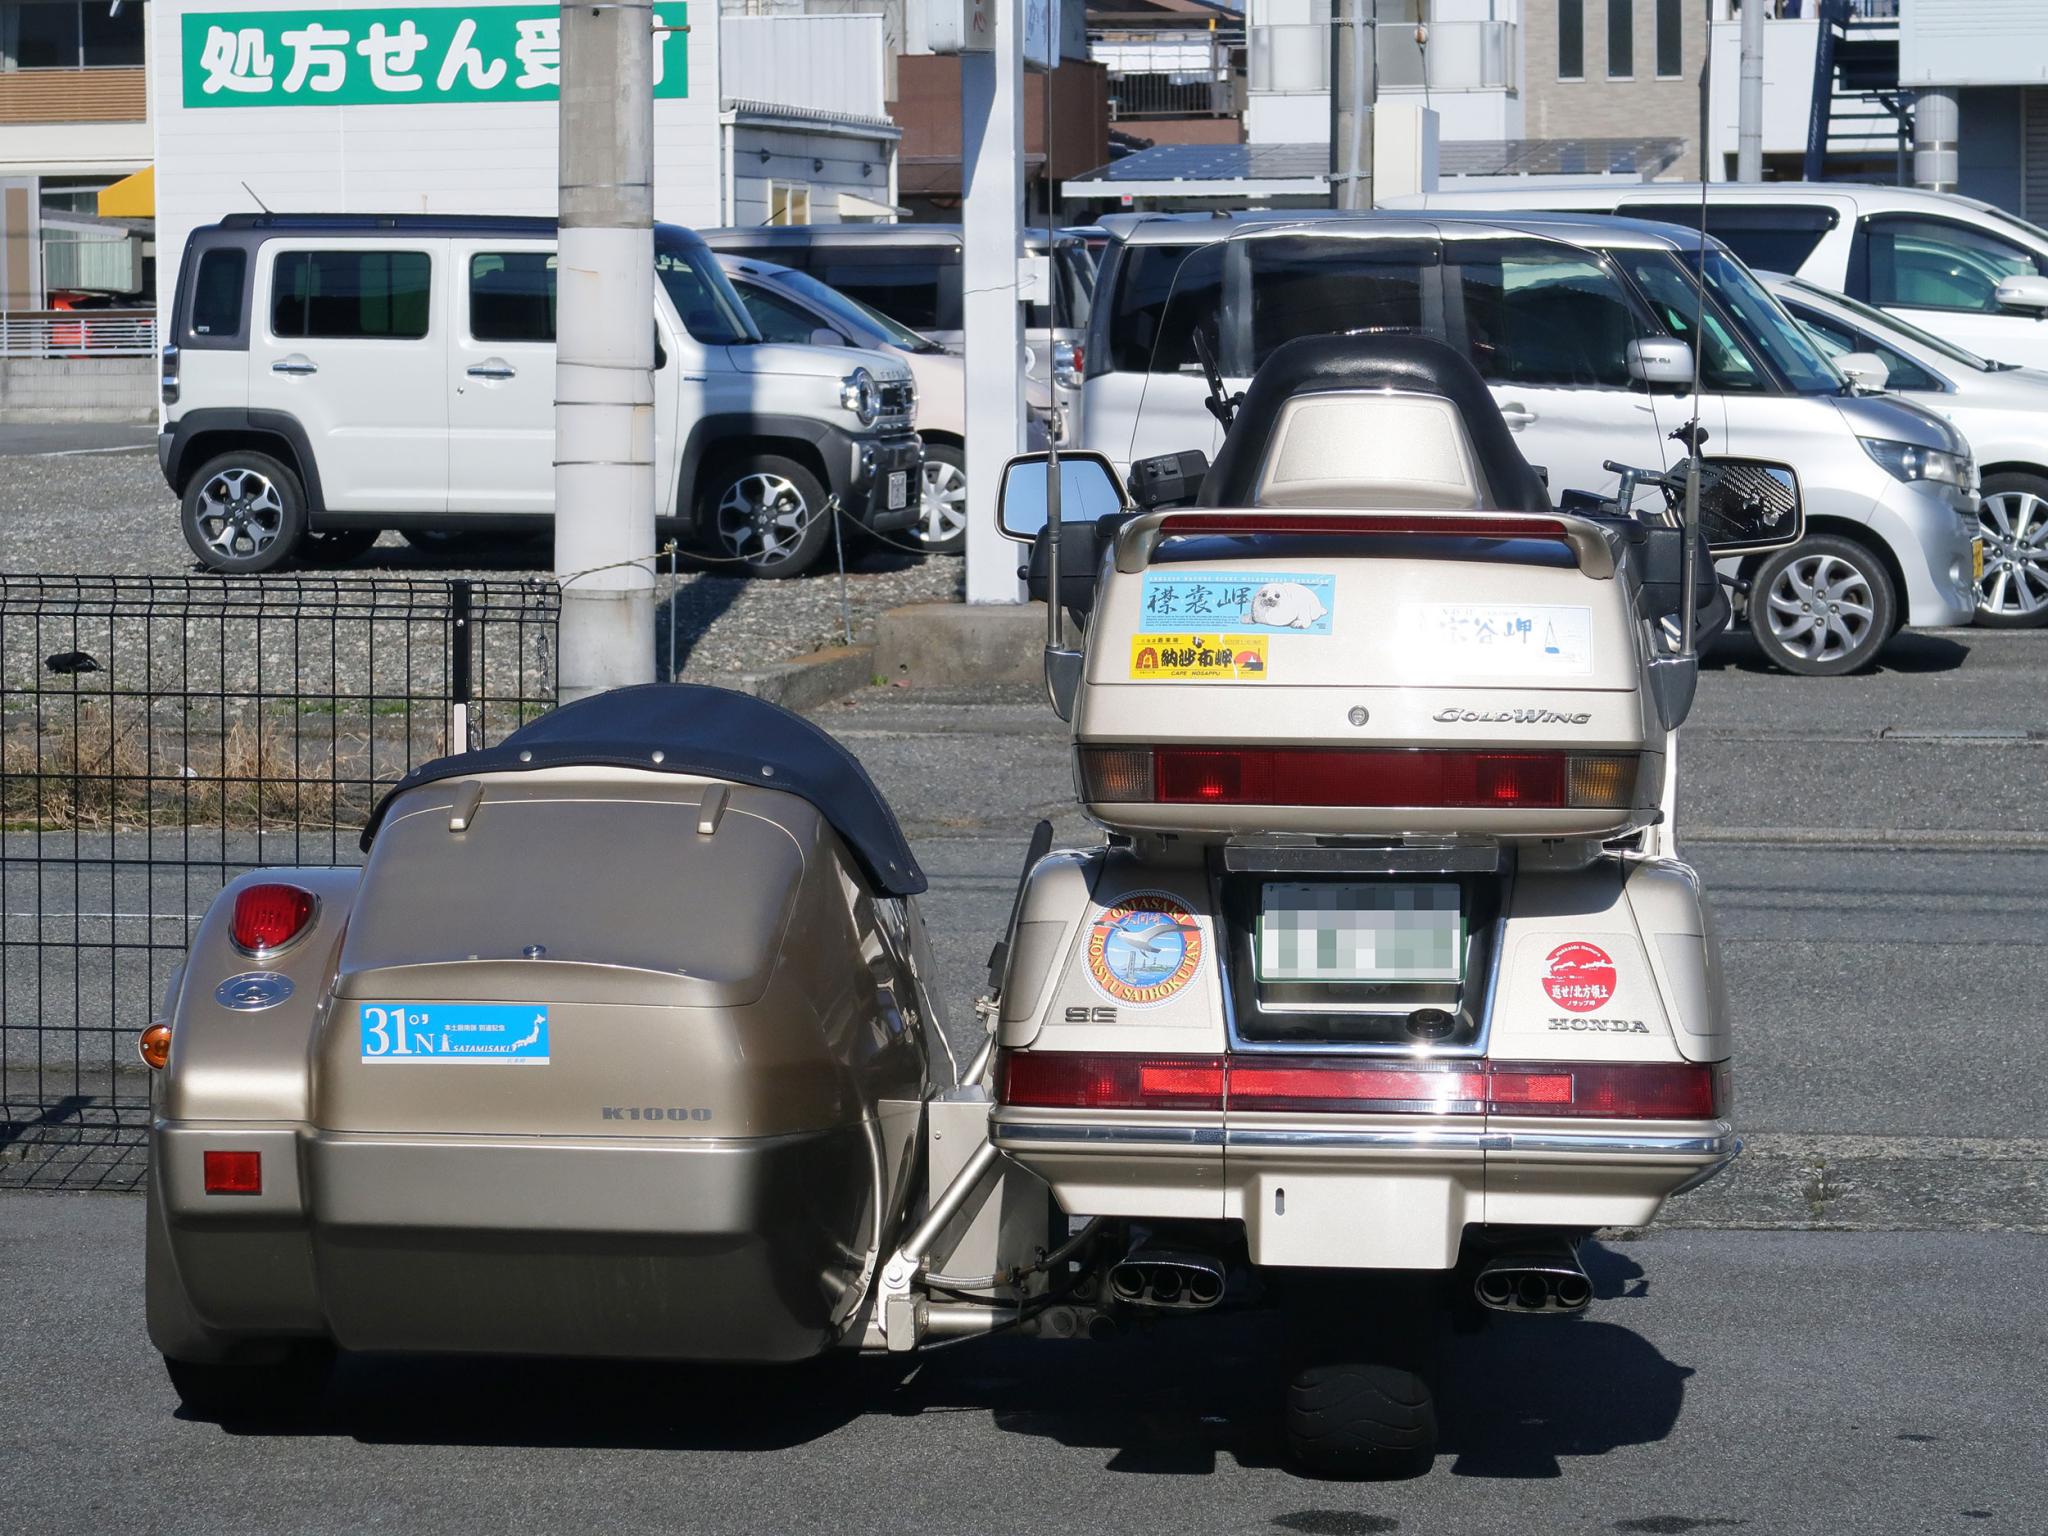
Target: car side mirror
2027, 293
1661, 362
1865, 370
1749, 506
825, 336
1088, 489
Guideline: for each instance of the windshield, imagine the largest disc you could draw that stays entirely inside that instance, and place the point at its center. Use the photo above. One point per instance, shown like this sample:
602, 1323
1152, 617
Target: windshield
1742, 310
874, 327
710, 311
1877, 320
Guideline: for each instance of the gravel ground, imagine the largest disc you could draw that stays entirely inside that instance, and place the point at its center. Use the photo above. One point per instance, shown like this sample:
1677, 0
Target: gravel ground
110, 512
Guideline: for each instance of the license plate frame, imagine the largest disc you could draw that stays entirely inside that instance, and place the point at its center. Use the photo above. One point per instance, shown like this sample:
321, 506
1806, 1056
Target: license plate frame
1310, 933
898, 490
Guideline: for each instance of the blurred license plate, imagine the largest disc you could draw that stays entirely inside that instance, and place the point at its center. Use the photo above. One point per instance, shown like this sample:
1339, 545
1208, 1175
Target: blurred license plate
899, 489
1379, 932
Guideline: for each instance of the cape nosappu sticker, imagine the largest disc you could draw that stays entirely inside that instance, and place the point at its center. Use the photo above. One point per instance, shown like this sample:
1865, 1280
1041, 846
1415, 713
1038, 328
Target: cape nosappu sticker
1144, 949
1198, 658
1502, 639
1258, 600
510, 1033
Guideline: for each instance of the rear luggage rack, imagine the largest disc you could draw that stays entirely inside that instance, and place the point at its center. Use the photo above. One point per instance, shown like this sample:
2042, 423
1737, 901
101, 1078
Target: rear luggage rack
1139, 539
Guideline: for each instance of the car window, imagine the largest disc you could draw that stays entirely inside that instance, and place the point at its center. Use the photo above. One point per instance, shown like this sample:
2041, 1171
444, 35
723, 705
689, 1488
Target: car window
1940, 346
1834, 338
916, 286
1771, 237
1537, 313
1304, 285
1724, 365
1922, 263
1162, 293
217, 293
512, 296
365, 293
695, 283
777, 319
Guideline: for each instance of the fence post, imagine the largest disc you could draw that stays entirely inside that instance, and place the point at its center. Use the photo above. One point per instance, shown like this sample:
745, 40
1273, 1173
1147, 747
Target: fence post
458, 666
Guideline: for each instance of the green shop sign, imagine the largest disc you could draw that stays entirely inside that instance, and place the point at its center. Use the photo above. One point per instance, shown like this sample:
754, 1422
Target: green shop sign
396, 54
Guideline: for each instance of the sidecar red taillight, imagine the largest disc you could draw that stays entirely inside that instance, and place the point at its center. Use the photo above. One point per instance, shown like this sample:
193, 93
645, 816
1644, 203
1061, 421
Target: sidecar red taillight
270, 916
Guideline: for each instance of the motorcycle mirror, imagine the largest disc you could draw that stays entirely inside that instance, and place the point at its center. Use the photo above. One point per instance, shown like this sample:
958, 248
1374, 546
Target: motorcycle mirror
1662, 362
1089, 489
1865, 370
1749, 506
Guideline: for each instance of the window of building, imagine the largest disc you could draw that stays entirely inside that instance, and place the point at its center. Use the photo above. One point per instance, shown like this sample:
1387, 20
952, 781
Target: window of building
1621, 39
1920, 263
789, 202
512, 296
1670, 39
217, 293
68, 34
360, 293
1571, 39
1539, 314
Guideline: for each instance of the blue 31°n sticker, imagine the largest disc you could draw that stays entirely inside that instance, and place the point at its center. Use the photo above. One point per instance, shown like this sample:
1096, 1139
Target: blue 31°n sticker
1238, 601
509, 1033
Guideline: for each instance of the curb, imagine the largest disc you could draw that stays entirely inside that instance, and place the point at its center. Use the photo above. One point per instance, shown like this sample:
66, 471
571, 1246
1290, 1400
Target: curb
960, 645
809, 681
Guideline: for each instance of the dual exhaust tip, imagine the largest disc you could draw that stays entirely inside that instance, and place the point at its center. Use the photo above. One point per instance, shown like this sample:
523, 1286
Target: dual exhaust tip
1533, 1282
1186, 1282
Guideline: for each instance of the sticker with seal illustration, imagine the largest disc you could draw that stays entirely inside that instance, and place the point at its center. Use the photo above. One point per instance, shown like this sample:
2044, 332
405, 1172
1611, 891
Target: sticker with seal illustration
1144, 949
1579, 977
1502, 639
1198, 658
1255, 600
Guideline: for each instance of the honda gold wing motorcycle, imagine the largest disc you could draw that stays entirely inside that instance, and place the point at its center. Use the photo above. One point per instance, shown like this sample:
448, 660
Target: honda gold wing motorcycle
1382, 990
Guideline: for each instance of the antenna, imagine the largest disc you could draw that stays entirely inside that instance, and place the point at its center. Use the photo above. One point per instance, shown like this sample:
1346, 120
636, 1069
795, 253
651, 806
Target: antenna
1054, 633
1693, 435
254, 198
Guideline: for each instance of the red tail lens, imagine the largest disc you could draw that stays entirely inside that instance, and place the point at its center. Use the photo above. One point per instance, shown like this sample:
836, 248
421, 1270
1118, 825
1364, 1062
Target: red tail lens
271, 916
1372, 776
233, 1173
1363, 523
1077, 1080
1580, 1090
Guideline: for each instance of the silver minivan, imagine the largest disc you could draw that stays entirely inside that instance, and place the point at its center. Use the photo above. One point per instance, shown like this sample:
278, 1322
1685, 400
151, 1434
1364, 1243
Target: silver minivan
1556, 312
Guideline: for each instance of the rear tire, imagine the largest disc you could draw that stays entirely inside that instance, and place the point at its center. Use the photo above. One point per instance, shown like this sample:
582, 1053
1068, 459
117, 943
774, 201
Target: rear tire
1823, 607
243, 513
1361, 1421
281, 1387
768, 514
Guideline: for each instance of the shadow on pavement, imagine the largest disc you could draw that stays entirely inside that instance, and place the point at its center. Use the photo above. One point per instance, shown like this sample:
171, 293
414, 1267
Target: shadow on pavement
1909, 651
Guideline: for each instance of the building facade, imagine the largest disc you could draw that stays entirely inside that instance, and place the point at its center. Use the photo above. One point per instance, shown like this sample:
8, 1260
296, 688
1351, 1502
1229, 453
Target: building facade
1616, 69
1993, 54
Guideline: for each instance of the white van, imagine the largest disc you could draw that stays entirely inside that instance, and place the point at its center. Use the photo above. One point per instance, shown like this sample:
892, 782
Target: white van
1555, 313
329, 376
1964, 270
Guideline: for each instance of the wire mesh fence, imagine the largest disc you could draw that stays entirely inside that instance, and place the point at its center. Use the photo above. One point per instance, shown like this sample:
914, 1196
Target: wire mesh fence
160, 735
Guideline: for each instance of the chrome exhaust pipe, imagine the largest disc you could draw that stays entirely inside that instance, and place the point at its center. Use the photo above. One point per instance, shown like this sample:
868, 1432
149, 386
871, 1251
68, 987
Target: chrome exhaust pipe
1167, 1279
1548, 1281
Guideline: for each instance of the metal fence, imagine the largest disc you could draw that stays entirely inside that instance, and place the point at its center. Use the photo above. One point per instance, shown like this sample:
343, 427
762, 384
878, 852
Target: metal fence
77, 333
158, 736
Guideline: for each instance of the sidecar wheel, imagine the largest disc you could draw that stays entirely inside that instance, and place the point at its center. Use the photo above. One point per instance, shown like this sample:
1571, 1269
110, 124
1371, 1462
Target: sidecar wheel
1361, 1421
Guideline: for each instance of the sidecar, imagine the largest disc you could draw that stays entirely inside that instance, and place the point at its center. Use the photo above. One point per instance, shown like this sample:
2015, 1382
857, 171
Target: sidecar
616, 1045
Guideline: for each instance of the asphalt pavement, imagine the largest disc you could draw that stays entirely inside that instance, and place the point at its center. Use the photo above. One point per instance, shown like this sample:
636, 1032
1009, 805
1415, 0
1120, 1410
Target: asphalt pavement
1841, 1335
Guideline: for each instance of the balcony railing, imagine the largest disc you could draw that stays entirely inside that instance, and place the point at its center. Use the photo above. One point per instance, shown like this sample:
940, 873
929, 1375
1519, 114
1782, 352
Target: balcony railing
77, 333
1184, 73
1460, 56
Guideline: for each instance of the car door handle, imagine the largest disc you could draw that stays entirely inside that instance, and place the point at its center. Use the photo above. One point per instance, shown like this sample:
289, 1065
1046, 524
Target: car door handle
295, 364
1516, 415
495, 368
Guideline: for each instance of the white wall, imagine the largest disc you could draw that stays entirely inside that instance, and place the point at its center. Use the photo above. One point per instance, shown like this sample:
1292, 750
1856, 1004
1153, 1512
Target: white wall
794, 157
445, 157
824, 63
1973, 42
1788, 87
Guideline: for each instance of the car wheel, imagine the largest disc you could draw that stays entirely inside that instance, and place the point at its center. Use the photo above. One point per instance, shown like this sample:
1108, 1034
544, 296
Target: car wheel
2014, 591
244, 513
283, 1386
338, 546
943, 529
769, 513
1361, 1421
1822, 607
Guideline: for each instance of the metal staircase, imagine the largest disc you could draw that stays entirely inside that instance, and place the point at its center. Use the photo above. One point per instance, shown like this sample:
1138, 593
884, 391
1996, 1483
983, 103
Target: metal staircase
1860, 118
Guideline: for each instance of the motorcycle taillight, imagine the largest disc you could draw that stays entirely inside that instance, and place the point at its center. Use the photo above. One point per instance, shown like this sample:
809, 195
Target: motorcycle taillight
271, 915
1091, 1080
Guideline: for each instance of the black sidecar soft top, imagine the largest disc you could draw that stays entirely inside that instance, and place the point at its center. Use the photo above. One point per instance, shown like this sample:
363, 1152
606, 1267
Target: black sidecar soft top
686, 728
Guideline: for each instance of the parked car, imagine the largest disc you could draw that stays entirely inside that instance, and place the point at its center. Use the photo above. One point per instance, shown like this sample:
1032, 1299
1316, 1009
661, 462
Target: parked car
1562, 316
788, 305
2001, 408
1964, 270
327, 377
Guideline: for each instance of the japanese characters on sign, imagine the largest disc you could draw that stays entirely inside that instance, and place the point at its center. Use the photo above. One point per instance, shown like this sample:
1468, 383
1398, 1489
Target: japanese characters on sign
1198, 658
1252, 600
1503, 639
401, 54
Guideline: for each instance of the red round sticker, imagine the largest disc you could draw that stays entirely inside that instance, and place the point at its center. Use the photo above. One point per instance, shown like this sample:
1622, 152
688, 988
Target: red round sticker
1579, 977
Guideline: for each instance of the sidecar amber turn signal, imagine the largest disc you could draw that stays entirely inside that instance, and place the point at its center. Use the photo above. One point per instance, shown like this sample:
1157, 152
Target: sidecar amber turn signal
155, 1046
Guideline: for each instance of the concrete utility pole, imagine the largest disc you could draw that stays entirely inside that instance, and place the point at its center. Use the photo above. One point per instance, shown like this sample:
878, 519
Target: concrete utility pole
604, 348
992, 160
1937, 123
1749, 123
1354, 87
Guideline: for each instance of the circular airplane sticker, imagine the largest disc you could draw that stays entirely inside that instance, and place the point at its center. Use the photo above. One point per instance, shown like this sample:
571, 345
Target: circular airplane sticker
1579, 977
1144, 949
